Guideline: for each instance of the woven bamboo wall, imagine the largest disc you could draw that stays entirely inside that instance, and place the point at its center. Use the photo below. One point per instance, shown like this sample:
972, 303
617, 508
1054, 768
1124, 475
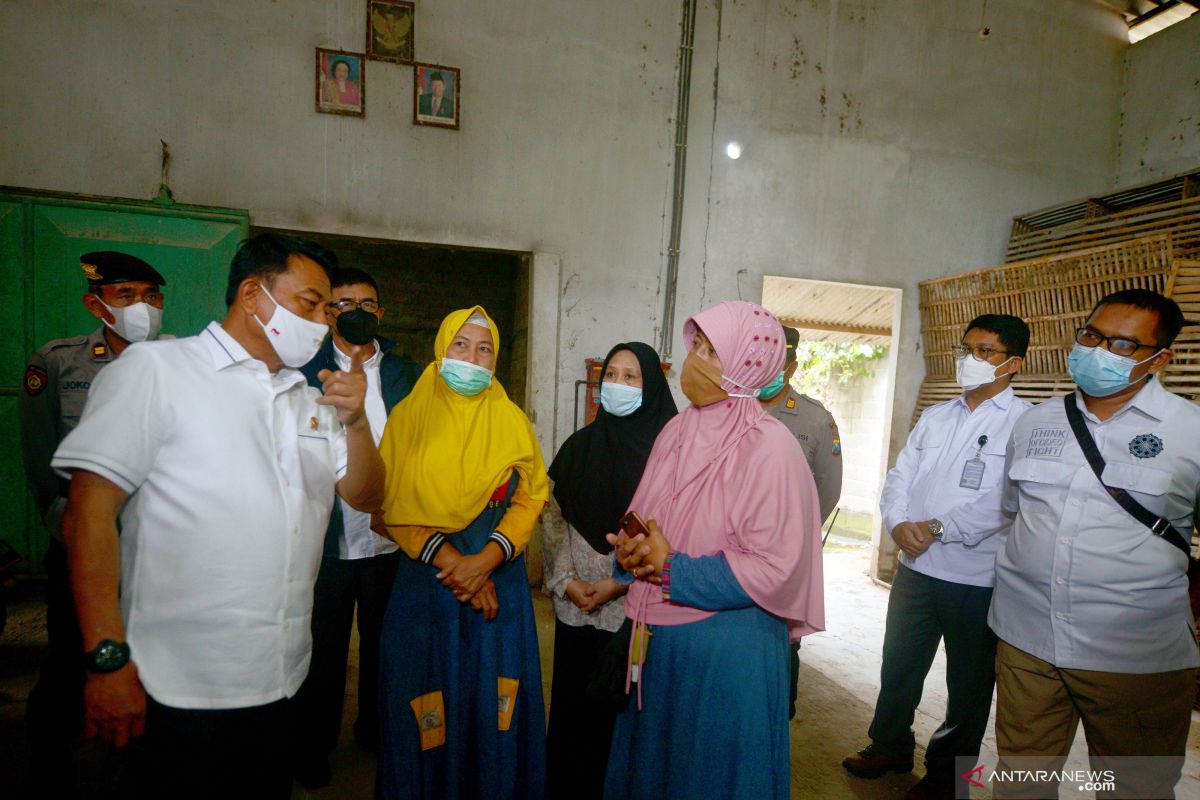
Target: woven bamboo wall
1054, 295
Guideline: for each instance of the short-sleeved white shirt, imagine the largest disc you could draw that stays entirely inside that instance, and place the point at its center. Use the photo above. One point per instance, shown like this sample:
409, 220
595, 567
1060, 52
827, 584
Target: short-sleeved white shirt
231, 473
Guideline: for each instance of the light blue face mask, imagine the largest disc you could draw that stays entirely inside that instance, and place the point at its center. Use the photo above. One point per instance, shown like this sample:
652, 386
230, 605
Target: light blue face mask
620, 400
772, 388
464, 377
1099, 373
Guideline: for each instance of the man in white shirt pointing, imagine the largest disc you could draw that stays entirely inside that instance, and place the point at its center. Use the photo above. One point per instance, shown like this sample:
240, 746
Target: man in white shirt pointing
943, 588
220, 464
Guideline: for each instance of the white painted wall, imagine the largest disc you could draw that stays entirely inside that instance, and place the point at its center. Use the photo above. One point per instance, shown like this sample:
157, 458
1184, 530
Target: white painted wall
928, 141
859, 406
1160, 107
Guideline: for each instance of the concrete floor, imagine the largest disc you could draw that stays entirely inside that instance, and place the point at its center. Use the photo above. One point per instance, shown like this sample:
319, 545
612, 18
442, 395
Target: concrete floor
839, 677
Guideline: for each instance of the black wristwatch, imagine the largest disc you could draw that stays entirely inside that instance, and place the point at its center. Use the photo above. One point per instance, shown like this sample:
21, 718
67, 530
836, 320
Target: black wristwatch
109, 656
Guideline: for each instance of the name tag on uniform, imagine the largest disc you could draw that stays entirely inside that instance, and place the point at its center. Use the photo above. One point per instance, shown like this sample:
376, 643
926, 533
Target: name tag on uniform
972, 474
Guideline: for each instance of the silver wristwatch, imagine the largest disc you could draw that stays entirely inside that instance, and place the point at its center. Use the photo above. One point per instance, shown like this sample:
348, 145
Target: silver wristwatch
935, 528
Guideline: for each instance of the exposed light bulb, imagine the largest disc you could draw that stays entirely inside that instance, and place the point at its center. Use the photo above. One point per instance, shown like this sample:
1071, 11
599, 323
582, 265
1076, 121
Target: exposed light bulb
733, 150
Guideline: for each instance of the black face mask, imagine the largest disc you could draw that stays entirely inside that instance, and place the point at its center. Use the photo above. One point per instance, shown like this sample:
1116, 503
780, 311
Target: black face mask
357, 326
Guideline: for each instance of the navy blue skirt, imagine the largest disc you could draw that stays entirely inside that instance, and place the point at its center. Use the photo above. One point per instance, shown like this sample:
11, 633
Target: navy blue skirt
461, 713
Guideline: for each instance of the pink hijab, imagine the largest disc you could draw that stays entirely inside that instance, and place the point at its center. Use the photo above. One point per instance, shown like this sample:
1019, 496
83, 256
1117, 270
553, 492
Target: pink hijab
728, 478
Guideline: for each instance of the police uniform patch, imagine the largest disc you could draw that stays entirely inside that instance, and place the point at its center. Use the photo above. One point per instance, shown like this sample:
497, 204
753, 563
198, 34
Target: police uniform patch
791, 402
35, 381
99, 351
1145, 445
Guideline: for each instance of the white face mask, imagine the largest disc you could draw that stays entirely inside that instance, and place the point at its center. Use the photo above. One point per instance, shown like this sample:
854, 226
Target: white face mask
971, 373
139, 322
295, 339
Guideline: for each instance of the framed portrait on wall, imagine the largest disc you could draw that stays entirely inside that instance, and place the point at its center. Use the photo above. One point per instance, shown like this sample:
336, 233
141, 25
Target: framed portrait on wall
390, 25
437, 95
341, 82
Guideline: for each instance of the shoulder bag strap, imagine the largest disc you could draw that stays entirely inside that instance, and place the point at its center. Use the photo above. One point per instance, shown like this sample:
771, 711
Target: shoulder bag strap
1159, 526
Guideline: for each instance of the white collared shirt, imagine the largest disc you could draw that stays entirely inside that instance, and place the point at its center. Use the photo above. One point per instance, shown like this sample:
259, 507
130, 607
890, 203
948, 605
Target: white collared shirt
925, 483
231, 473
1080, 583
357, 539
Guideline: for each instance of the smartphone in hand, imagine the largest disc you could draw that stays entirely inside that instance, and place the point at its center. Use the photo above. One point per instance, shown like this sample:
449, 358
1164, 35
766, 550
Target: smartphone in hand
633, 524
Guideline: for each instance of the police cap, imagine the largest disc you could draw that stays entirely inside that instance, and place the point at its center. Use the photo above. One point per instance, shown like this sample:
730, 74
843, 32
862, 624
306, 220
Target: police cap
108, 266
792, 337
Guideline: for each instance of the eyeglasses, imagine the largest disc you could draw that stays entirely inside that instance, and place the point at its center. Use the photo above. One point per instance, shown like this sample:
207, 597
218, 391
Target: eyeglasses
347, 304
982, 353
1121, 347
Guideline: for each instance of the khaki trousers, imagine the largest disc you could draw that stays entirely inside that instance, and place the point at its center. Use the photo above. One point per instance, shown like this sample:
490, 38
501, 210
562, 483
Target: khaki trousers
1039, 707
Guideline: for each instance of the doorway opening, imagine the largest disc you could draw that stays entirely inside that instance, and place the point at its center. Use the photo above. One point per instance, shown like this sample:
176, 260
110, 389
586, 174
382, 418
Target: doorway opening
847, 356
420, 284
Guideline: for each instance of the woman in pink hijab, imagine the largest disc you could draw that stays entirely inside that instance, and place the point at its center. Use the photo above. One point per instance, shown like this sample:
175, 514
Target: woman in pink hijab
730, 570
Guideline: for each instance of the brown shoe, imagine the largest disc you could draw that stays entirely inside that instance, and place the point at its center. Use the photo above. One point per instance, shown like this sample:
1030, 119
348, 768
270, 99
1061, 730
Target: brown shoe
870, 763
931, 787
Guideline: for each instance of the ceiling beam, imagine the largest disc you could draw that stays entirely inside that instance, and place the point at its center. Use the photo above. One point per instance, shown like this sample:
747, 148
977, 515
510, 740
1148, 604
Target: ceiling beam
829, 327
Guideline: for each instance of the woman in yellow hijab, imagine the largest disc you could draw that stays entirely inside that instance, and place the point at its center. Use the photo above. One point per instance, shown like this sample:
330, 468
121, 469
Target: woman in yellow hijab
465, 485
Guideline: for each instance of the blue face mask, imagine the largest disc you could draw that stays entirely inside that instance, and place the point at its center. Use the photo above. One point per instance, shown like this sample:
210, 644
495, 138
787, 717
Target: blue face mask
464, 377
620, 400
1099, 373
772, 388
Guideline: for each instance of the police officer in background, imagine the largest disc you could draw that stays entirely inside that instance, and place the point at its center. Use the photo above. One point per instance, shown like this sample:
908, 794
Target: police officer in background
125, 293
818, 436
812, 426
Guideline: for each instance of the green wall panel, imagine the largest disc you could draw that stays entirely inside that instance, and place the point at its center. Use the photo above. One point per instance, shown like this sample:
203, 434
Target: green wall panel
42, 236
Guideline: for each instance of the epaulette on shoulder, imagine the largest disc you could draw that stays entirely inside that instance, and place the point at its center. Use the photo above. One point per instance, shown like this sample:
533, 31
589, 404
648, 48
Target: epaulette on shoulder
58, 344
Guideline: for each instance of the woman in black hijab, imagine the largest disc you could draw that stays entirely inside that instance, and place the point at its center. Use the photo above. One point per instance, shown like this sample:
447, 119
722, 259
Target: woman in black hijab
595, 475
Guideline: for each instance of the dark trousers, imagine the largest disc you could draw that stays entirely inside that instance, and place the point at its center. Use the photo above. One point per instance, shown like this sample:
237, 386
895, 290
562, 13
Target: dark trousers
580, 730
228, 753
921, 612
341, 585
54, 710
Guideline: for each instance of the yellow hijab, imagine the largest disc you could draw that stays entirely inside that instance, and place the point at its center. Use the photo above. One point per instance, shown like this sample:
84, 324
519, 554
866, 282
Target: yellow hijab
446, 454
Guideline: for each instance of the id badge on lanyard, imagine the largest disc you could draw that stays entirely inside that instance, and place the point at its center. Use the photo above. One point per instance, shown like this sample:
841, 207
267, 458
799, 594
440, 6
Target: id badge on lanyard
973, 469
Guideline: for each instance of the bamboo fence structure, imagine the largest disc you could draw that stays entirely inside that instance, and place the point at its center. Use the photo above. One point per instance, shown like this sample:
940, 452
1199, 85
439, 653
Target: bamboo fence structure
1053, 294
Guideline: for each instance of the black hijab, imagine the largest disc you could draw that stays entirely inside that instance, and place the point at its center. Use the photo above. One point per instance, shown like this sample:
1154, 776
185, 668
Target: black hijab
598, 468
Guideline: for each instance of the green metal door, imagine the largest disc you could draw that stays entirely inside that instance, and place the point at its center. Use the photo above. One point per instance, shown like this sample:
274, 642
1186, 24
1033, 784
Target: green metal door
42, 236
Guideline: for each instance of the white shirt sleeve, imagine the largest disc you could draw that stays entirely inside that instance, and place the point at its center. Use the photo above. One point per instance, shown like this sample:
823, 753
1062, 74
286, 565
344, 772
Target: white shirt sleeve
990, 513
893, 500
340, 456
122, 424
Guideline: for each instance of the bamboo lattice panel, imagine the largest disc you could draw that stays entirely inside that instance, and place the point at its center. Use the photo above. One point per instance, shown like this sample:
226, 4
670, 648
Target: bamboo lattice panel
1180, 218
1053, 295
1182, 375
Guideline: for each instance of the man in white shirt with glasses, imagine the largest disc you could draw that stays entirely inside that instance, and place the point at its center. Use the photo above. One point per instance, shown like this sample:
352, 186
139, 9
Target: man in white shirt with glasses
943, 587
1091, 602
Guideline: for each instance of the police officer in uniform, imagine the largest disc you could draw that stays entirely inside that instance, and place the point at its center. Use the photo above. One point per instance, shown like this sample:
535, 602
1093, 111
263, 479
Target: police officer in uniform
813, 428
818, 436
125, 293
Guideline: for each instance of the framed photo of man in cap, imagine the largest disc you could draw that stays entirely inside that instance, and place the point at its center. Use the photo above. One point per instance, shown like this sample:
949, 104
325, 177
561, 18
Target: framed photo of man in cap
437, 95
390, 25
341, 82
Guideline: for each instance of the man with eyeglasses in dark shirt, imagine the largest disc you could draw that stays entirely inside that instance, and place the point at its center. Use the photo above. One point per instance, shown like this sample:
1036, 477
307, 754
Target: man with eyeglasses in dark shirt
357, 565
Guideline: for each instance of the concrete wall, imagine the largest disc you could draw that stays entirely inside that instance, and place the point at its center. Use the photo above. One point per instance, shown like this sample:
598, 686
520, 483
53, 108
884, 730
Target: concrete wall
1160, 107
886, 142
859, 406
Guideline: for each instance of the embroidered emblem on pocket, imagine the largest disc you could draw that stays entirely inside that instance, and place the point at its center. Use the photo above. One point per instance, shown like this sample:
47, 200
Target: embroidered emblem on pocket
430, 712
506, 688
1145, 445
